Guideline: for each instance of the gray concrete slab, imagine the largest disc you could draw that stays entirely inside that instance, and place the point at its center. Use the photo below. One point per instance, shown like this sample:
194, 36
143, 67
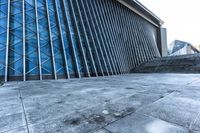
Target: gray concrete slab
137, 123
94, 104
174, 108
102, 131
19, 130
195, 125
11, 122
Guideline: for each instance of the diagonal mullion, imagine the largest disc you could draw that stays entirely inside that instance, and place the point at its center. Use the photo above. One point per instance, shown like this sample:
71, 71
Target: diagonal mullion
31, 61
32, 51
15, 52
14, 61
2, 48
46, 60
46, 69
30, 36
31, 70
15, 27
14, 69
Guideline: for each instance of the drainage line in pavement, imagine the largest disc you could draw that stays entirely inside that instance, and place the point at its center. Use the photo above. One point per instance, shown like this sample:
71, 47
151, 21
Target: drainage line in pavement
20, 97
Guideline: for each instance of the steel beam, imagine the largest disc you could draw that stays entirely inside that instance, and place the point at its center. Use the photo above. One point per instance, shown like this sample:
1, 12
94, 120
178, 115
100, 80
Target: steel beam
102, 36
72, 42
124, 22
23, 40
115, 31
38, 41
62, 41
139, 13
7, 42
107, 42
87, 40
80, 40
51, 42
96, 52
92, 14
110, 39
116, 14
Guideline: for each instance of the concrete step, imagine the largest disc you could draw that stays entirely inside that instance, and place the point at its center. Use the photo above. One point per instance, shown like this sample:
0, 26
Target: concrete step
171, 64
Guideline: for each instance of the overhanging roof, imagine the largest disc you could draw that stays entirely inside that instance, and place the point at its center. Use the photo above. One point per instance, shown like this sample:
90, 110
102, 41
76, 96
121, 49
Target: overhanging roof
142, 11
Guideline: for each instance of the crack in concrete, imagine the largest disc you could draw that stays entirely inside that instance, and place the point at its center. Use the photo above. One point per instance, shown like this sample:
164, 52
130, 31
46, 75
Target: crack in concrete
107, 130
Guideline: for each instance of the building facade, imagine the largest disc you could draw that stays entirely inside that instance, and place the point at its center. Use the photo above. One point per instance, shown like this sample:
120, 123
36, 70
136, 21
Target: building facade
52, 39
178, 47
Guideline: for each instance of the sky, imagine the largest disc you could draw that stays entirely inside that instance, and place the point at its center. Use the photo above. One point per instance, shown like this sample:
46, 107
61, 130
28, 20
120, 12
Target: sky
181, 17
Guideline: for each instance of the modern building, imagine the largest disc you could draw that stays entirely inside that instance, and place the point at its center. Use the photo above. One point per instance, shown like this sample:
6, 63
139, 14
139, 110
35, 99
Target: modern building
53, 39
178, 47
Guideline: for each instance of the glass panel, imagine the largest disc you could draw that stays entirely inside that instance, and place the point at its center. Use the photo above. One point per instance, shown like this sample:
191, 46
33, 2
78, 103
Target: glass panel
31, 39
3, 34
46, 60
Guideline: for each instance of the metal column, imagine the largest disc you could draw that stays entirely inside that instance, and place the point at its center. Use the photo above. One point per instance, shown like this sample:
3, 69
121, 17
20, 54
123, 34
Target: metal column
71, 38
51, 42
61, 37
7, 42
23, 41
38, 41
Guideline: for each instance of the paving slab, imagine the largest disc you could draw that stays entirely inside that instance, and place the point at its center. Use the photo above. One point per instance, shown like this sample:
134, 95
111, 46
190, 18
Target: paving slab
195, 124
18, 130
10, 122
102, 131
137, 123
175, 109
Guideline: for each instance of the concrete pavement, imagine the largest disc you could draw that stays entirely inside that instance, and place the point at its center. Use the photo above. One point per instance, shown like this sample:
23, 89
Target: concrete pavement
134, 103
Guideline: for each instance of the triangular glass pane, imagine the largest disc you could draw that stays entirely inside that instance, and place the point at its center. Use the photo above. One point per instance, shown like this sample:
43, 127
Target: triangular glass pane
3, 38
4, 8
3, 22
2, 46
29, 19
35, 71
2, 14
16, 5
14, 24
44, 71
2, 72
17, 17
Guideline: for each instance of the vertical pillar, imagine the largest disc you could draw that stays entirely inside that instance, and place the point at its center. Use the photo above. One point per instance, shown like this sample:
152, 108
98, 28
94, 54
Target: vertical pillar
104, 35
38, 42
23, 41
110, 38
92, 37
93, 20
71, 38
62, 41
80, 40
87, 40
106, 52
7, 42
51, 42
163, 35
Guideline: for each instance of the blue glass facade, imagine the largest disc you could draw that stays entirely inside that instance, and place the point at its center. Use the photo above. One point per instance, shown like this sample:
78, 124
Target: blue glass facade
52, 39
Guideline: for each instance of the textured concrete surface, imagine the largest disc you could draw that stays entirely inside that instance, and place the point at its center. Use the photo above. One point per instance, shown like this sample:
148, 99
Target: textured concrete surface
135, 103
189, 63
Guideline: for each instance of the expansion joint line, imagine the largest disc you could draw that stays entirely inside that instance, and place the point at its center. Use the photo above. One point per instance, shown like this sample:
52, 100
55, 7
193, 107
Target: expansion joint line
24, 112
198, 115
